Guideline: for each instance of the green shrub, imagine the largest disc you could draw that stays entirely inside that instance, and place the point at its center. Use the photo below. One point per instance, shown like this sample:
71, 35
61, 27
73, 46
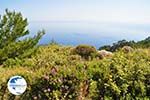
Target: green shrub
85, 50
12, 62
13, 27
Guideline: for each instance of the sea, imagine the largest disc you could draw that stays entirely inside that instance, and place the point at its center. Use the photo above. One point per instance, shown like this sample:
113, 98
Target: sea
91, 33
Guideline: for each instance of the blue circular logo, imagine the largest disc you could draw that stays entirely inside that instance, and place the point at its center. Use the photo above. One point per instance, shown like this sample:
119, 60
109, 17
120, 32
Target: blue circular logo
17, 85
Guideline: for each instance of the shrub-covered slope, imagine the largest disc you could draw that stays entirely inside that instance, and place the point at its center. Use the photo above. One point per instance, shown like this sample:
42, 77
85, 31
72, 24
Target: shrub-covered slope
55, 73
140, 44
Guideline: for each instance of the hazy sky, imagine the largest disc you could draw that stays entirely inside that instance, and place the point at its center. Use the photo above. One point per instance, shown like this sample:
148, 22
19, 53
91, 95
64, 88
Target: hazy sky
128, 11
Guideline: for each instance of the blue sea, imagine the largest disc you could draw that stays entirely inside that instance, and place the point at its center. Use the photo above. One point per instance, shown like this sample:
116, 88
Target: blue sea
91, 33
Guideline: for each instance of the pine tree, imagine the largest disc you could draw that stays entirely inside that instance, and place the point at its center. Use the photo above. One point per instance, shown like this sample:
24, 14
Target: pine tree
12, 28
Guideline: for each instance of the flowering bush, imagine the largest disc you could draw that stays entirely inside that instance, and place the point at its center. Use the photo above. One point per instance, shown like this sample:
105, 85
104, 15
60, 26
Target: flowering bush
51, 74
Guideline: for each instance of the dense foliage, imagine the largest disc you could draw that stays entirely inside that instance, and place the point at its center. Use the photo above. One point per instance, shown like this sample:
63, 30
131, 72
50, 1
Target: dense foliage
55, 73
144, 43
12, 28
116, 46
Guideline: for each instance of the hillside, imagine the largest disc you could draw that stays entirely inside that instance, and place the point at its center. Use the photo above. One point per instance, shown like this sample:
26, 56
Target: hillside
55, 72
139, 44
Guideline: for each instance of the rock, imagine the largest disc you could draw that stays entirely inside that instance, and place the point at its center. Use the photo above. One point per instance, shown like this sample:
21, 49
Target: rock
127, 49
104, 53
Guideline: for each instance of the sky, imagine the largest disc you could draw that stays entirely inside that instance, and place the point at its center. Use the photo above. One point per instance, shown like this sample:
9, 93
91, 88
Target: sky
120, 11
94, 22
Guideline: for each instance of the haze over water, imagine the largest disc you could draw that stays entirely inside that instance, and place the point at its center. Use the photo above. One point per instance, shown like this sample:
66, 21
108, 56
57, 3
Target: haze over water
94, 22
92, 33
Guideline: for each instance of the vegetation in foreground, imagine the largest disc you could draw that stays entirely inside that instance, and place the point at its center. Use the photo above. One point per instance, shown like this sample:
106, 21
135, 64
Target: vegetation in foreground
56, 72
